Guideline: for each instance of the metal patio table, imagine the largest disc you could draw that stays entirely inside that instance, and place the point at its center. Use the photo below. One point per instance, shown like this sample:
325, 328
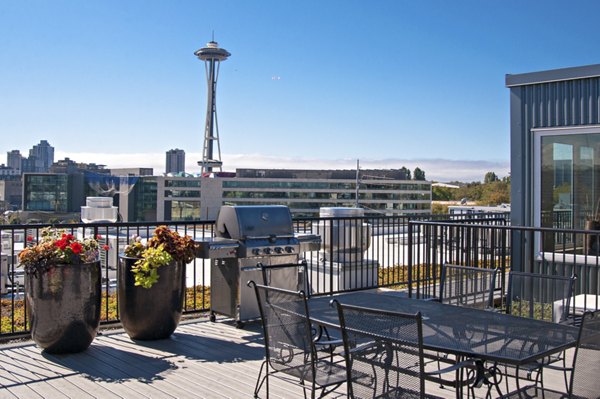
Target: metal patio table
487, 337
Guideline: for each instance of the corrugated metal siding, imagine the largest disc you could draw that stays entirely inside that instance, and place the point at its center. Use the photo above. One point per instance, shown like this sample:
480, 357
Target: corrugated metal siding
557, 104
554, 104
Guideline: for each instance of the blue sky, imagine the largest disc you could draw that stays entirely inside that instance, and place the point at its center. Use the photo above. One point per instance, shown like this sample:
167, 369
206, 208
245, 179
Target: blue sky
392, 83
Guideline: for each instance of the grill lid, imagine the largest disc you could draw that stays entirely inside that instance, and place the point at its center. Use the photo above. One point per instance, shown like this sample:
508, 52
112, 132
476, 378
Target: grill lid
254, 221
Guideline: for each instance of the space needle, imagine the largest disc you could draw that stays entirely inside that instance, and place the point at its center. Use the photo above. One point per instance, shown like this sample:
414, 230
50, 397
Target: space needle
212, 56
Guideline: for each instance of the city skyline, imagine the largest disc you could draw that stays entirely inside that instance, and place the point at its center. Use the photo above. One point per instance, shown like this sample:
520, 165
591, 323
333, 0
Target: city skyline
444, 170
308, 85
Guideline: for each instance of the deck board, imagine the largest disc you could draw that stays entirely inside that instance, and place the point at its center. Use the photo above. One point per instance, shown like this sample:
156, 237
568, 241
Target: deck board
201, 360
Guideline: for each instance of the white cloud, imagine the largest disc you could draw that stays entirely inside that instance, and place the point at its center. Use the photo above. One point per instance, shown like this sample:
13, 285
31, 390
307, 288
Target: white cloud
435, 169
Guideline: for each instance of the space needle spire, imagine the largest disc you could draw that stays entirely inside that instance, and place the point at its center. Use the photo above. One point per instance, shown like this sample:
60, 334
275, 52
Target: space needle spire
212, 56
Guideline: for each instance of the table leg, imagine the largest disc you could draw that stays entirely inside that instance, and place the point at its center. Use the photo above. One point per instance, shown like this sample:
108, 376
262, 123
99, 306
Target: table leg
489, 376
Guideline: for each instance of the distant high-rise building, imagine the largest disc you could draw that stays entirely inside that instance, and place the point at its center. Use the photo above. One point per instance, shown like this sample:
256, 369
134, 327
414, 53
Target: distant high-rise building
175, 161
14, 160
41, 157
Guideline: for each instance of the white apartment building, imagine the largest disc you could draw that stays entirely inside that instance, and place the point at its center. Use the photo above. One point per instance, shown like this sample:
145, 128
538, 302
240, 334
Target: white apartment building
383, 192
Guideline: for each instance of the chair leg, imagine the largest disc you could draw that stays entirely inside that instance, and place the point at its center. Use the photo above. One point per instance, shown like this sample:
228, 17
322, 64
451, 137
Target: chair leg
259, 381
304, 390
565, 372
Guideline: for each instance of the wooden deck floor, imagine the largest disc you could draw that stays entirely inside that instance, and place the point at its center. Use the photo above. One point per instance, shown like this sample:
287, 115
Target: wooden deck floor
201, 360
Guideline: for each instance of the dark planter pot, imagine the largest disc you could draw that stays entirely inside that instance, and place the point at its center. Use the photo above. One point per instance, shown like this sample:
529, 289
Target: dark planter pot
151, 313
64, 307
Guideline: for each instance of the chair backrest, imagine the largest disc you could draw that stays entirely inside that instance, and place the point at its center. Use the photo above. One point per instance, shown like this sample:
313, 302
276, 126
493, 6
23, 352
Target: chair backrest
468, 286
286, 326
539, 296
384, 352
585, 381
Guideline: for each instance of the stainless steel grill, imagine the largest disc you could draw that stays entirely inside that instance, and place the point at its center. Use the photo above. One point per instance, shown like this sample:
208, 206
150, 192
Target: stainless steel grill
247, 240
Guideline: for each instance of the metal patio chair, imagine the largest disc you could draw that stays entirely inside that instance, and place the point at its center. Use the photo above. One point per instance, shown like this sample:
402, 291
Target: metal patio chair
583, 382
464, 286
541, 297
291, 352
384, 353
468, 286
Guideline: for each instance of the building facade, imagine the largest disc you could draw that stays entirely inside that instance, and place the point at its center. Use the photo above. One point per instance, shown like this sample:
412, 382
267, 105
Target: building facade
11, 194
175, 161
14, 160
48, 192
41, 157
380, 192
555, 148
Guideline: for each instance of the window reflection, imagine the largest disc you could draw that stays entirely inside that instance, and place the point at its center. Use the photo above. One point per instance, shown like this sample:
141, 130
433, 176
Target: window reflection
568, 190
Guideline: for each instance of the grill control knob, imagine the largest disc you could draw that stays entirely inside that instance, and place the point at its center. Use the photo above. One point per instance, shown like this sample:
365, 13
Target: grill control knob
267, 251
256, 251
289, 250
278, 250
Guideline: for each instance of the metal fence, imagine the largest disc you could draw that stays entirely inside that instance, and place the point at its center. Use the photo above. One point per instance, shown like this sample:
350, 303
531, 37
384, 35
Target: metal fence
561, 252
356, 253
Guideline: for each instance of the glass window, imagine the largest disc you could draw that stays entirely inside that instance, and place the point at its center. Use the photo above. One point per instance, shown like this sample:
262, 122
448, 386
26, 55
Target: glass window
182, 210
569, 169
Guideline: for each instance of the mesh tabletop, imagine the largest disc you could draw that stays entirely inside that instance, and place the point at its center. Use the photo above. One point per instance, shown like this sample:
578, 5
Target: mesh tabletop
462, 331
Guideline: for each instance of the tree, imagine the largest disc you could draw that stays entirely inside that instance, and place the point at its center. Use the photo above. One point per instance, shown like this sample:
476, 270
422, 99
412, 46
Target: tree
442, 193
490, 177
418, 174
406, 172
439, 209
14, 218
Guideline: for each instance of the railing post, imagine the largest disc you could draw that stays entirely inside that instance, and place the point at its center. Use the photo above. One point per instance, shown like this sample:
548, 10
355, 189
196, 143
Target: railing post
410, 257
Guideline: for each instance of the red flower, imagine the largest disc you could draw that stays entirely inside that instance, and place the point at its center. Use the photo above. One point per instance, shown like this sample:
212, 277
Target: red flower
105, 247
76, 247
62, 243
29, 238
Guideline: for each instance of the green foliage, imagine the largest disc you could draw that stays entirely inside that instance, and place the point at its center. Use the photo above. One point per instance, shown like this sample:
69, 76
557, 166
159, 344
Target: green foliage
490, 177
494, 193
439, 209
418, 174
56, 246
406, 172
181, 248
541, 311
165, 242
12, 316
135, 249
10, 310
14, 218
442, 193
145, 269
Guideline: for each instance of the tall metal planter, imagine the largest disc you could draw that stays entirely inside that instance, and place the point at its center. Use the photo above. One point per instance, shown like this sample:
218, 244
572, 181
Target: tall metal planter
64, 307
151, 313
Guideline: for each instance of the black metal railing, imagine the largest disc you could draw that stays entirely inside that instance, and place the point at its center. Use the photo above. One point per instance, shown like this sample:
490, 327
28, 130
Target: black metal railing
357, 253
562, 252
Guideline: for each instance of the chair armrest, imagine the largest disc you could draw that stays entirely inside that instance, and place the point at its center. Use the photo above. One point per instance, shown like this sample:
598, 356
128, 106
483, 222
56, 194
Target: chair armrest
330, 342
468, 364
363, 347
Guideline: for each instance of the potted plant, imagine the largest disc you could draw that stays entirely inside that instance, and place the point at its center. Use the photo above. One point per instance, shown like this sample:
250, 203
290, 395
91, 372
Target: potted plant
151, 283
63, 290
